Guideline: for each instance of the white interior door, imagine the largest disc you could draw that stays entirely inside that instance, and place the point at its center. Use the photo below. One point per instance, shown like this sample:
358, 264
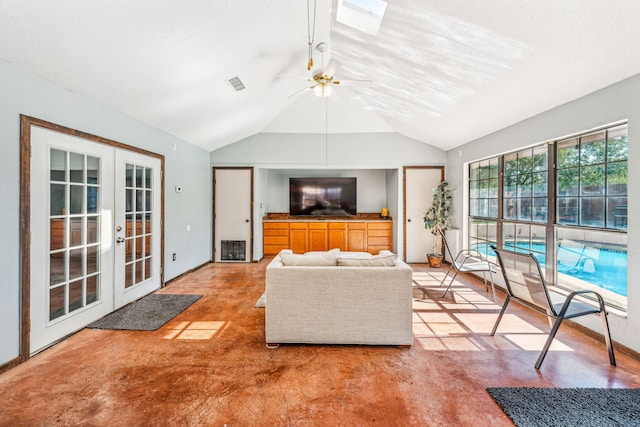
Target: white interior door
232, 228
419, 183
79, 191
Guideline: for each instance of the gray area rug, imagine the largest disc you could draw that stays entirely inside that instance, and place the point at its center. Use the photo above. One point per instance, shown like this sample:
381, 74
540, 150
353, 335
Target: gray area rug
532, 407
146, 314
262, 301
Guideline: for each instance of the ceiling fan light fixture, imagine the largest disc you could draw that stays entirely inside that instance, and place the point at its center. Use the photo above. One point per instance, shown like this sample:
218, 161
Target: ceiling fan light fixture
322, 90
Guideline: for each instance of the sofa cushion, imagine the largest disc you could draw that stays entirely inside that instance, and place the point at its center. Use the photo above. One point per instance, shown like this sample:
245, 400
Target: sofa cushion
310, 259
383, 259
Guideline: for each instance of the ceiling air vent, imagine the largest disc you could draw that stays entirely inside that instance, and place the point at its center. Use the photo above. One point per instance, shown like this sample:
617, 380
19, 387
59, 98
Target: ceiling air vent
236, 83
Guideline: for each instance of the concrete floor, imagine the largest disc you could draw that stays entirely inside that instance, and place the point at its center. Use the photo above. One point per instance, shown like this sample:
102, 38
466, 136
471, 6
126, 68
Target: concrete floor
210, 366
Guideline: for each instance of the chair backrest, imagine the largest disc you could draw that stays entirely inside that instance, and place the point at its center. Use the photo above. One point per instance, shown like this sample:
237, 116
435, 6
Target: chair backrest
524, 280
446, 245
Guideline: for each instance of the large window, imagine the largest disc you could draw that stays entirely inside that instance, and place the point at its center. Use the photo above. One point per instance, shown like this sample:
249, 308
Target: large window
592, 179
572, 217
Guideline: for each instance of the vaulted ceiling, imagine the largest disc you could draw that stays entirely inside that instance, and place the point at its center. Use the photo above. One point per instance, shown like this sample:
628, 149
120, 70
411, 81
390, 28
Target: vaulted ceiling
442, 72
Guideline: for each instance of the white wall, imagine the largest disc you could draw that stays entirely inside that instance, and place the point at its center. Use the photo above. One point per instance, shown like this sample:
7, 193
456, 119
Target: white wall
24, 93
376, 159
614, 103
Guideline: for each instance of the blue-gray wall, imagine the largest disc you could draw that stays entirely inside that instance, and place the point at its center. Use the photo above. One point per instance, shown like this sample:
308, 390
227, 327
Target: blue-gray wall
21, 92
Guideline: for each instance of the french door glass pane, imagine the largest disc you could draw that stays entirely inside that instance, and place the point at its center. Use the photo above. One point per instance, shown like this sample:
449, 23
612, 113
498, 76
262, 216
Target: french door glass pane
74, 193
138, 233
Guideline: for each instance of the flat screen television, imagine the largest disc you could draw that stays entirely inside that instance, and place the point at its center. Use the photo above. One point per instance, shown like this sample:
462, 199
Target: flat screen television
322, 196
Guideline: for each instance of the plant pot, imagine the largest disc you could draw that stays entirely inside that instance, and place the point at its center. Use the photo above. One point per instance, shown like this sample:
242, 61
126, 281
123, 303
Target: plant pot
435, 261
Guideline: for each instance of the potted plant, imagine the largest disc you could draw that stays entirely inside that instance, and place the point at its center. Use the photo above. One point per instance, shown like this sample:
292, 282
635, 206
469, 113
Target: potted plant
437, 219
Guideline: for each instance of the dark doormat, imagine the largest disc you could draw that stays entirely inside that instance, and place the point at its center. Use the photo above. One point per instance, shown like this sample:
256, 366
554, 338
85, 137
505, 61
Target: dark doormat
146, 314
531, 407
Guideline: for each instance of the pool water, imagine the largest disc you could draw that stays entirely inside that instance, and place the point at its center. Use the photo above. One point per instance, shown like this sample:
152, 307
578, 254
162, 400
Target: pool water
604, 268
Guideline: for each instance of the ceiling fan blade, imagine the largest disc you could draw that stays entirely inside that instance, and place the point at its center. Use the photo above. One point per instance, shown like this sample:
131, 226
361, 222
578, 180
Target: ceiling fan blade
350, 82
332, 68
293, 76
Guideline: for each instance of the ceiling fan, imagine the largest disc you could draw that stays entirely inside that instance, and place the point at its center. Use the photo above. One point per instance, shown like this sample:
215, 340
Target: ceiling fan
324, 81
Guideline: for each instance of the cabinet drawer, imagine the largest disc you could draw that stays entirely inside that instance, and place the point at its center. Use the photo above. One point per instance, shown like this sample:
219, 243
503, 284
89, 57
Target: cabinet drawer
337, 226
276, 240
317, 226
378, 241
275, 225
386, 233
298, 226
379, 226
357, 226
276, 232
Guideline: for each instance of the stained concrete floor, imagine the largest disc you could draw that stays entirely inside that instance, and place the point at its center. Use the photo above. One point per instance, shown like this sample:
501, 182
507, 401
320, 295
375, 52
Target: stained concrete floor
209, 366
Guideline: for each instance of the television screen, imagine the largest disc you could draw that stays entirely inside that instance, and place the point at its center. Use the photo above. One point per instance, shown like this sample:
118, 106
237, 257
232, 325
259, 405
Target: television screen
322, 196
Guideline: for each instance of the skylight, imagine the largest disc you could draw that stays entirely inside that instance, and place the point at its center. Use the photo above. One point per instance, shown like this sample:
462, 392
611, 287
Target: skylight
363, 15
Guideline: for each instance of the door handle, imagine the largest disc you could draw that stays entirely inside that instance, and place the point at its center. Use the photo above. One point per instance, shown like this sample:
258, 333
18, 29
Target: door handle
120, 240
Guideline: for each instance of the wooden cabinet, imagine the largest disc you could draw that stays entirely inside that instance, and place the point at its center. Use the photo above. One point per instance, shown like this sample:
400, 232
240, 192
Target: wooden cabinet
357, 237
298, 237
318, 236
307, 235
337, 235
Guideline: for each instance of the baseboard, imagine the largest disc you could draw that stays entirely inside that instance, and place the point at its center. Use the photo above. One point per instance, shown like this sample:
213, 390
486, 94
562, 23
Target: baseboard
599, 337
10, 364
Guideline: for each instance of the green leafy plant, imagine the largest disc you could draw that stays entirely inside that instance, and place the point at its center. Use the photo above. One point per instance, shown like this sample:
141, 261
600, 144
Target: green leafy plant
437, 217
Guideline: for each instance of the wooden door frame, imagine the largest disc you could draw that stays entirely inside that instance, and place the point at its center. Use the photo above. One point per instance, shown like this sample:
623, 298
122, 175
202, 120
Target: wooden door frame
404, 200
26, 122
213, 208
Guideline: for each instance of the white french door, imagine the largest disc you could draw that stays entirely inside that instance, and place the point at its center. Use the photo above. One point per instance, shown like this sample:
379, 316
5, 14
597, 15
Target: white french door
136, 226
79, 195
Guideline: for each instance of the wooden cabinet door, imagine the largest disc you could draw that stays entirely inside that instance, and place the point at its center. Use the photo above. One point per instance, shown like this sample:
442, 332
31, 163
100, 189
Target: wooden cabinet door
298, 237
338, 235
318, 236
357, 237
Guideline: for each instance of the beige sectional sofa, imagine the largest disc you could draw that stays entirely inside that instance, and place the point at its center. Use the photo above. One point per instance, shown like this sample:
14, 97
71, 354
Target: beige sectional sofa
338, 297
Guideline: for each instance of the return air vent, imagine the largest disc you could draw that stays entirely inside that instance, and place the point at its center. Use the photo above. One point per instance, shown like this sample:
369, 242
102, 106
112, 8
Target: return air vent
236, 83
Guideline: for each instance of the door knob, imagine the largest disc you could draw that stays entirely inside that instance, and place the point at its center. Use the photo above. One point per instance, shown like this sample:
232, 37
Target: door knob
120, 240
409, 220
246, 220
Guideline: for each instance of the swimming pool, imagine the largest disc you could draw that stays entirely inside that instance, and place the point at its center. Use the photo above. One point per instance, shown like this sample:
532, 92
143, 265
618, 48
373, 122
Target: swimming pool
605, 268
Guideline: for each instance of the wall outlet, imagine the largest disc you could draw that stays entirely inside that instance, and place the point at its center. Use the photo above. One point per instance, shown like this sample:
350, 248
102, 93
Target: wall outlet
173, 256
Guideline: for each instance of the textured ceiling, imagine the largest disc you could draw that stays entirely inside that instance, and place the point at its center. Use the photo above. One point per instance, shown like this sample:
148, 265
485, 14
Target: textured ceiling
442, 72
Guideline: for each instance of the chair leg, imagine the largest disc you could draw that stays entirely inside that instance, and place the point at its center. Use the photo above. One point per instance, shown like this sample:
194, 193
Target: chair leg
450, 283
446, 274
607, 337
504, 307
550, 338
